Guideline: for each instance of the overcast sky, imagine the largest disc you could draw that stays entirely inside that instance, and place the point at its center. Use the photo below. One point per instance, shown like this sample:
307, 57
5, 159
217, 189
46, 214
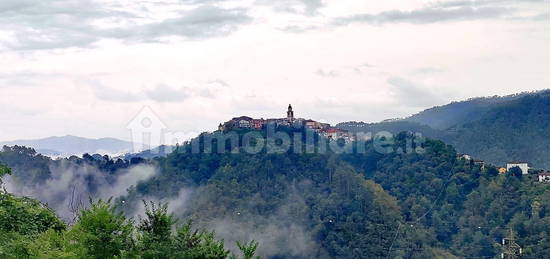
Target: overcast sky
87, 67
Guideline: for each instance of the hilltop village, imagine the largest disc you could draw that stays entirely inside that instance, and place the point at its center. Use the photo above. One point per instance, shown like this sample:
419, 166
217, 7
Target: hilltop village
333, 133
323, 129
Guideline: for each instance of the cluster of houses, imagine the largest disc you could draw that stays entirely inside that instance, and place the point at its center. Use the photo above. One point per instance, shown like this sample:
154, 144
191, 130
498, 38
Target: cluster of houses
543, 176
323, 129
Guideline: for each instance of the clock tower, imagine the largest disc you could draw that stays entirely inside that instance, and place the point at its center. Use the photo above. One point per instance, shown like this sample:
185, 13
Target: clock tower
290, 114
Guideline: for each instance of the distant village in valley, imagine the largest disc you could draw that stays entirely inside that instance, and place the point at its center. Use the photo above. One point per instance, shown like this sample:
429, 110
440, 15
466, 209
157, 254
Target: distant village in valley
323, 129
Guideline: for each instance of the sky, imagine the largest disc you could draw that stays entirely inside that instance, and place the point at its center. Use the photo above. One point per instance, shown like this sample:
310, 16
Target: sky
88, 67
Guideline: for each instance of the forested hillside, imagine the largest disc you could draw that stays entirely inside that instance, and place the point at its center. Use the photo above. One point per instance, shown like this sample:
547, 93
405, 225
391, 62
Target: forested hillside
516, 130
446, 116
422, 204
413, 205
392, 126
494, 129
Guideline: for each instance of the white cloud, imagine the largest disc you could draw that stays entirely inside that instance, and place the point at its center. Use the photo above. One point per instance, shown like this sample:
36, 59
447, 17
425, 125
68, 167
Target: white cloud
412, 94
326, 73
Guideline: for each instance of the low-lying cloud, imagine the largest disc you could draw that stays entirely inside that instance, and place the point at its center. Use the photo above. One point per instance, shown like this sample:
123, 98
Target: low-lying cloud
71, 186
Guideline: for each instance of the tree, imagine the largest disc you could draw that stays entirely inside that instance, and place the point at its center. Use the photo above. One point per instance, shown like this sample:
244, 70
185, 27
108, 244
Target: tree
248, 249
21, 219
102, 232
192, 244
516, 172
156, 231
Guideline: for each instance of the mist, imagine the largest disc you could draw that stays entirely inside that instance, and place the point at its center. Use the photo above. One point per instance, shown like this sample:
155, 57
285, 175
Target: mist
284, 232
71, 186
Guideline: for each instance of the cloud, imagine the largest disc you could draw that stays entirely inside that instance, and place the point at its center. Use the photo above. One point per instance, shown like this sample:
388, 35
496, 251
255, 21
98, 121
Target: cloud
299, 28
201, 22
219, 82
125, 179
72, 183
24, 78
49, 24
302, 7
359, 69
161, 93
428, 70
429, 14
328, 73
411, 94
478, 3
311, 6
106, 93
542, 17
165, 93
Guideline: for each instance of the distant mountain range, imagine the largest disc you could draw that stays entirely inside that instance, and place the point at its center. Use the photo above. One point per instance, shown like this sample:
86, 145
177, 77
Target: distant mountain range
495, 129
72, 145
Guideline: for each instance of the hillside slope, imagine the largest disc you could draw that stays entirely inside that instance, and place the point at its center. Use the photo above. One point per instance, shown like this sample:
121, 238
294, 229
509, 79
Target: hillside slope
494, 129
446, 116
515, 130
425, 204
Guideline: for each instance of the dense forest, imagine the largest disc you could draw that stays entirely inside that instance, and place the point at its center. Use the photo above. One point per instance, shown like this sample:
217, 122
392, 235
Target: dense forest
425, 204
494, 129
517, 130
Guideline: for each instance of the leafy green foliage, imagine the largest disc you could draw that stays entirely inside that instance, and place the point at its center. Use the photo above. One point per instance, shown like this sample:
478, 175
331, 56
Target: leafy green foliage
21, 219
248, 249
29, 230
26, 216
189, 243
102, 231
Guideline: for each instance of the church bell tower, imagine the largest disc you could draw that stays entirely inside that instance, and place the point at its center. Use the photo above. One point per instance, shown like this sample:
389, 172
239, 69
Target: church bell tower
290, 114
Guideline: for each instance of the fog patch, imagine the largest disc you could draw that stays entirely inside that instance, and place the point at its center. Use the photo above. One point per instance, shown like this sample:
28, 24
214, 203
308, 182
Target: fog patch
277, 238
177, 205
285, 232
125, 180
71, 186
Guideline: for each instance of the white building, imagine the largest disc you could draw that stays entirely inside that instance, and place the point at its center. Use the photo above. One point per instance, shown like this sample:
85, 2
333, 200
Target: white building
544, 177
524, 166
244, 124
465, 156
